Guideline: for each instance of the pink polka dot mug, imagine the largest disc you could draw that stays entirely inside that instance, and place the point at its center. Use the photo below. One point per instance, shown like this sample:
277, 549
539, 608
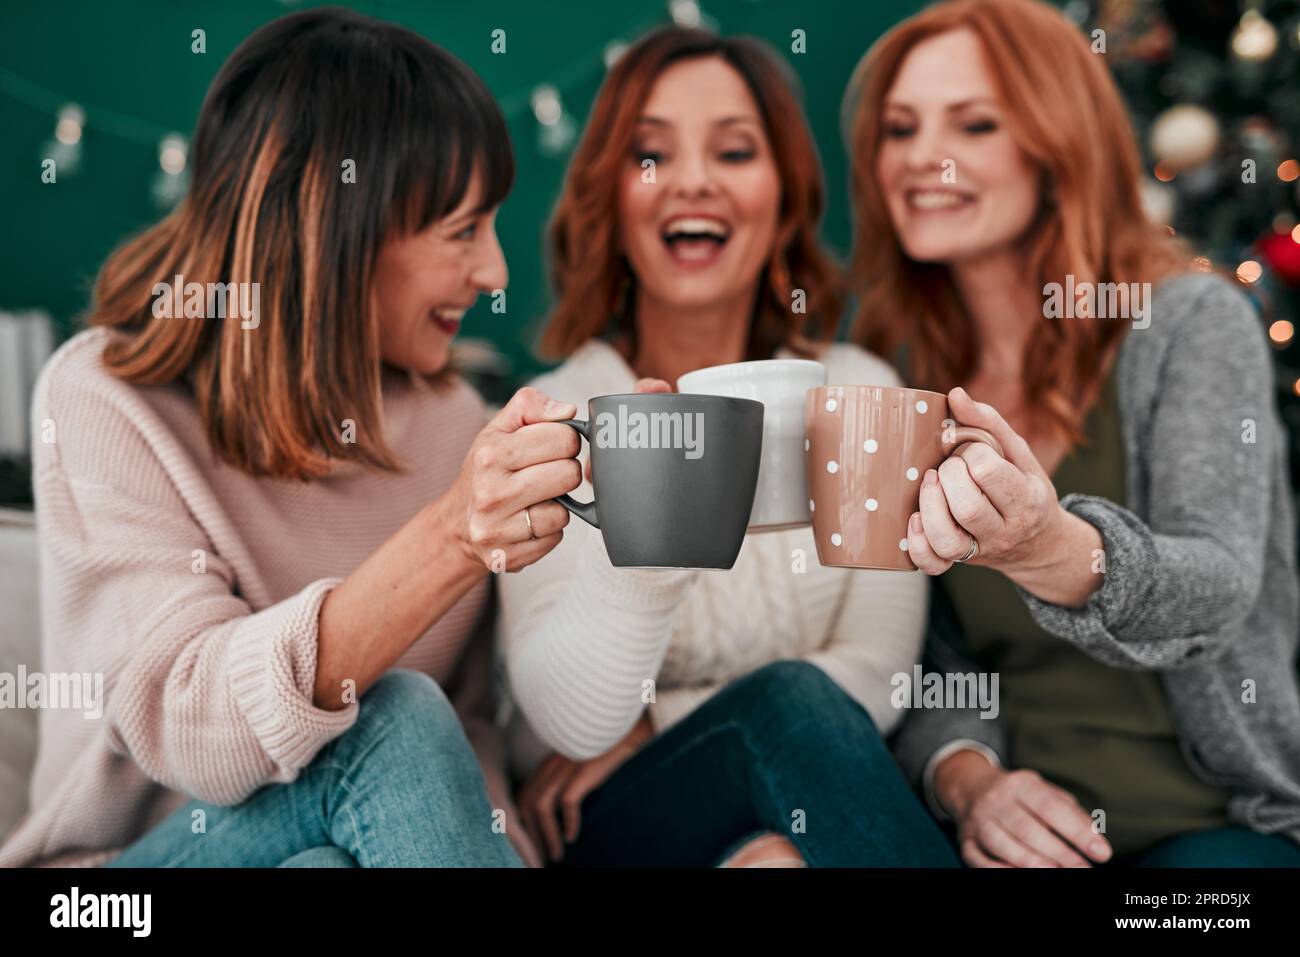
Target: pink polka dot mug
866, 450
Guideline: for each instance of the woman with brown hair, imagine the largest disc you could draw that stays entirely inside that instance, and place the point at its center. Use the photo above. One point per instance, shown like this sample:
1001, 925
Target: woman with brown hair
267, 505
686, 237
1144, 625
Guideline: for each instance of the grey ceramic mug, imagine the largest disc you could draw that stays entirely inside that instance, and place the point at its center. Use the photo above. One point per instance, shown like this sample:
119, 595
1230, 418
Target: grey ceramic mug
673, 476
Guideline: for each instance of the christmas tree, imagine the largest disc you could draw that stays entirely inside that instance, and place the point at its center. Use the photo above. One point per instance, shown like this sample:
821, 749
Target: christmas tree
1215, 97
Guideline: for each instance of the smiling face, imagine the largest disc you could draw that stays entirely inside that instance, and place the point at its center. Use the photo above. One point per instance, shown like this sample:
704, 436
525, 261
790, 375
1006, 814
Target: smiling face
957, 185
425, 281
700, 233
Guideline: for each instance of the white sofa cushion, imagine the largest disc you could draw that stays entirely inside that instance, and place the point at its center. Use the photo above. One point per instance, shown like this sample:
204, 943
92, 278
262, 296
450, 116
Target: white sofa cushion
19, 645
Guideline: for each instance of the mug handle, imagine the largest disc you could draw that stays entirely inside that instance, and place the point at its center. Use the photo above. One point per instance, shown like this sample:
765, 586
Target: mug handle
954, 436
584, 510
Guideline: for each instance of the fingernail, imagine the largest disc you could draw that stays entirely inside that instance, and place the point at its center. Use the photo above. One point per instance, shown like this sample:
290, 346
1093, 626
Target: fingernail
555, 408
960, 393
914, 523
931, 476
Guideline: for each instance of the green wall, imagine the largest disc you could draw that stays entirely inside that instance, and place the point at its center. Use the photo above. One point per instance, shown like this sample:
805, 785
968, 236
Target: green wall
130, 67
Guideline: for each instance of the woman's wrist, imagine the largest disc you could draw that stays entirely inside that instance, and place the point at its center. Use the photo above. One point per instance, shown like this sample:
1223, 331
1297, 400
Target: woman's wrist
960, 778
388, 601
442, 520
1061, 567
642, 731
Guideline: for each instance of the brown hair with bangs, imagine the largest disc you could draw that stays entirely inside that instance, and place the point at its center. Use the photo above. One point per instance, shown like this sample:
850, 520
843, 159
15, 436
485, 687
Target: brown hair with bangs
1067, 115
593, 283
268, 204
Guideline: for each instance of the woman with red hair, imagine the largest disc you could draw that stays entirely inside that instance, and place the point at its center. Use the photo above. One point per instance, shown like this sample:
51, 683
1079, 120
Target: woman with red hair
685, 235
1144, 625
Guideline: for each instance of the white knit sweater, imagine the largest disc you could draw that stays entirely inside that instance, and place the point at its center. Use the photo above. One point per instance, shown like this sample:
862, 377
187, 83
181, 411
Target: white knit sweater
581, 638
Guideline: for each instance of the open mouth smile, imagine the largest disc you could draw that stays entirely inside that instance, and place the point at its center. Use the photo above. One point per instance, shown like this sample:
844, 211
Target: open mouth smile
694, 241
447, 319
936, 200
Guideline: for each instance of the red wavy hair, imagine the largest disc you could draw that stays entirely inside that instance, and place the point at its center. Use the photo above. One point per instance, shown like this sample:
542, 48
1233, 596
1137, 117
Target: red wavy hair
592, 280
1066, 113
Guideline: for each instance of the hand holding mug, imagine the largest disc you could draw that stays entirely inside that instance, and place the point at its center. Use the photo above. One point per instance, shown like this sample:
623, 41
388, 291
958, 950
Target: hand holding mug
673, 476
502, 507
866, 451
1006, 504
649, 386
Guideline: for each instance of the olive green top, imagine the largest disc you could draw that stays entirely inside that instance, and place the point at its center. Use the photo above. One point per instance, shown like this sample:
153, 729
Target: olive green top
1102, 733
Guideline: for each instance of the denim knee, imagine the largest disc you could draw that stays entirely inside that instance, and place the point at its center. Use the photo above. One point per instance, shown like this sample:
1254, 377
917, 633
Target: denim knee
411, 706
789, 691
320, 857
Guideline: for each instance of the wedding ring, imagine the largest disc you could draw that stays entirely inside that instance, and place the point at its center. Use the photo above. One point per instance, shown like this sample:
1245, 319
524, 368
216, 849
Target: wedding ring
529, 519
970, 552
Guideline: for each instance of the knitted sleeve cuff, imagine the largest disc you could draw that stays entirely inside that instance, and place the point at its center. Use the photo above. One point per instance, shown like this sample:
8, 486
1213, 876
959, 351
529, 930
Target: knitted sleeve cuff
936, 759
1129, 554
273, 676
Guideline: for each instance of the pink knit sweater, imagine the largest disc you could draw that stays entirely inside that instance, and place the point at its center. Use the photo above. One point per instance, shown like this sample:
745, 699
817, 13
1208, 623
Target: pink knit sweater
194, 589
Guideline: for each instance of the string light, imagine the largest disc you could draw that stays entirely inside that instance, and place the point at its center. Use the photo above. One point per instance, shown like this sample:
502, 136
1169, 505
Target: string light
171, 182
1288, 171
1163, 172
172, 154
1281, 332
546, 105
613, 50
71, 120
555, 131
65, 148
1250, 271
685, 13
1295, 234
556, 128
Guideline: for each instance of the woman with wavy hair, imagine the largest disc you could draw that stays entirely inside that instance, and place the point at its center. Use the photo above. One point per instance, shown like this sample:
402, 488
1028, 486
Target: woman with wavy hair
1128, 568
269, 511
685, 232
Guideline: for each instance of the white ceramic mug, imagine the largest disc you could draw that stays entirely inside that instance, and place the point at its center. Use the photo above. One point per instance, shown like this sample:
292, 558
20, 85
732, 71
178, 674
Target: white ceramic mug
781, 500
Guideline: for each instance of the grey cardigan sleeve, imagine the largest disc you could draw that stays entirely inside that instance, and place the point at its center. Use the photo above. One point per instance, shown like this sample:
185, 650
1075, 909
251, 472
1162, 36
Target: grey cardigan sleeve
1181, 584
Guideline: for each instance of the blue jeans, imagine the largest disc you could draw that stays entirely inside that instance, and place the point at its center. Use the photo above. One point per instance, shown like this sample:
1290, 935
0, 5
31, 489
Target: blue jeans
1232, 846
401, 788
782, 749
